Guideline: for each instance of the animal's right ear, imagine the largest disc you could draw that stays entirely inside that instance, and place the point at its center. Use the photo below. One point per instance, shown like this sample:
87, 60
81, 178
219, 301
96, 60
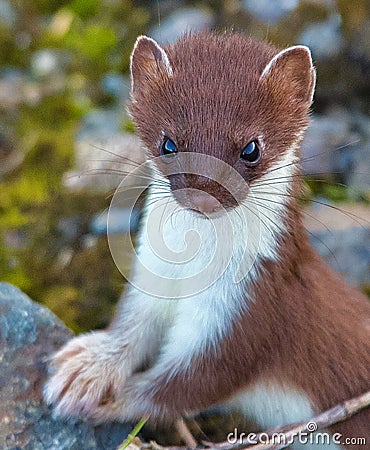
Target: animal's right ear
149, 62
290, 75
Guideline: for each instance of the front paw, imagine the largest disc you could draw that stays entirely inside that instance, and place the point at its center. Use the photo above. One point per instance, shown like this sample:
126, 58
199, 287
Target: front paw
87, 379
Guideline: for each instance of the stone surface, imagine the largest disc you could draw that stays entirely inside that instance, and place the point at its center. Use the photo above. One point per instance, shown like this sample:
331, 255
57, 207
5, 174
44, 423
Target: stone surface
270, 12
337, 143
324, 38
179, 22
103, 157
342, 237
7, 13
28, 334
347, 252
116, 220
12, 81
47, 63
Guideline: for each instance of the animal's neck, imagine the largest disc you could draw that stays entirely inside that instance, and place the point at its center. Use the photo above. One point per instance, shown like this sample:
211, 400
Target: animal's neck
179, 245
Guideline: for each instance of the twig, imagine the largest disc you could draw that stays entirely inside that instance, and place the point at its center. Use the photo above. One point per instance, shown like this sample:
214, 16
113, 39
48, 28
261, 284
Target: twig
185, 434
287, 434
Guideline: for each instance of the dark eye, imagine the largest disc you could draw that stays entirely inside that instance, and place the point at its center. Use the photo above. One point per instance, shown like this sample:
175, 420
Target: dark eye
251, 153
168, 147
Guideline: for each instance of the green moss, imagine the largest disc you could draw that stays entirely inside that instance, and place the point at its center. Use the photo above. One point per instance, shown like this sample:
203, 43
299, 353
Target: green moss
366, 289
333, 191
128, 126
85, 9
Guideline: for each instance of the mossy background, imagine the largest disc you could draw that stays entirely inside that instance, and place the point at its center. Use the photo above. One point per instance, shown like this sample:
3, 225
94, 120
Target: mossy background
96, 37
80, 282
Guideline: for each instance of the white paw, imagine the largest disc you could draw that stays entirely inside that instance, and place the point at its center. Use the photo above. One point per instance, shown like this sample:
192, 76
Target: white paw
87, 378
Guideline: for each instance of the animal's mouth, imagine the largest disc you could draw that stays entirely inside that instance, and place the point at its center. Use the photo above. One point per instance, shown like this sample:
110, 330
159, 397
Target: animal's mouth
203, 203
203, 195
208, 216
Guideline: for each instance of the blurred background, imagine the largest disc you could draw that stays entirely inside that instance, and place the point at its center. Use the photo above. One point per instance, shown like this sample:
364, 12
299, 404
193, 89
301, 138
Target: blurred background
63, 86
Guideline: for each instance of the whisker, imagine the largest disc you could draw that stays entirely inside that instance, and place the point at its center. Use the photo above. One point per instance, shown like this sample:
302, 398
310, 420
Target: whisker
159, 189
305, 178
299, 161
110, 161
91, 172
328, 248
275, 169
158, 196
352, 216
176, 211
310, 233
245, 204
164, 210
122, 157
341, 147
155, 200
303, 211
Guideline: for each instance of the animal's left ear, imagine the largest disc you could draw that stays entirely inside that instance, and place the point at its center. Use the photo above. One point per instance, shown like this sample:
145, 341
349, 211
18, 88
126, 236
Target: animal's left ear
291, 73
149, 62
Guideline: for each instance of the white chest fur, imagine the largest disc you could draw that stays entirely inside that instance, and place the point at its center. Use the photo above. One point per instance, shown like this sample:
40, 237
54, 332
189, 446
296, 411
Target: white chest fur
203, 266
271, 405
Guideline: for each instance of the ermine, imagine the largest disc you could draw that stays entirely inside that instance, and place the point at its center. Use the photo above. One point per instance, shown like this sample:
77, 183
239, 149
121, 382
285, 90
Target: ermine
255, 319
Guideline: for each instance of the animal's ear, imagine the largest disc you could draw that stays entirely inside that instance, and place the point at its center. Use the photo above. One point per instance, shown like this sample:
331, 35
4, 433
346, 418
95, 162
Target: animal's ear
149, 62
291, 73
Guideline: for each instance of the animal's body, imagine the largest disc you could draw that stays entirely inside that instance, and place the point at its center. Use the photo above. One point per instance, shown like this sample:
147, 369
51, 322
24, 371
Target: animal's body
267, 328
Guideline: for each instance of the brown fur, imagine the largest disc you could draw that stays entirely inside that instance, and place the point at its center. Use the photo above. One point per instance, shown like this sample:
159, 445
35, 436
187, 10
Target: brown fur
305, 326
213, 103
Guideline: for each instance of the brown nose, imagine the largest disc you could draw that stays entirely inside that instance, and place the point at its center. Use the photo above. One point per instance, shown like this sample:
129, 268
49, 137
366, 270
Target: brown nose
204, 203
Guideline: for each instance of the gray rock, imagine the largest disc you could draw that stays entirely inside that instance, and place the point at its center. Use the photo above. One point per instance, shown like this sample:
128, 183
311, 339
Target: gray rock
324, 38
269, 11
48, 62
99, 123
341, 234
338, 143
12, 81
28, 334
358, 178
116, 85
103, 156
347, 251
7, 13
116, 220
324, 135
179, 22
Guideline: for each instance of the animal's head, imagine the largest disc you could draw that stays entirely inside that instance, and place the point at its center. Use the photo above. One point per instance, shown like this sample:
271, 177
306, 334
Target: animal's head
223, 98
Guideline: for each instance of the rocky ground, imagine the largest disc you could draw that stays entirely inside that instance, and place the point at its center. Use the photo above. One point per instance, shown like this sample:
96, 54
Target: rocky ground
342, 237
28, 334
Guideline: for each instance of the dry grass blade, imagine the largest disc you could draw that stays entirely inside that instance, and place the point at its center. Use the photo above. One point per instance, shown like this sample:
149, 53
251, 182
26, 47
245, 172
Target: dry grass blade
185, 434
